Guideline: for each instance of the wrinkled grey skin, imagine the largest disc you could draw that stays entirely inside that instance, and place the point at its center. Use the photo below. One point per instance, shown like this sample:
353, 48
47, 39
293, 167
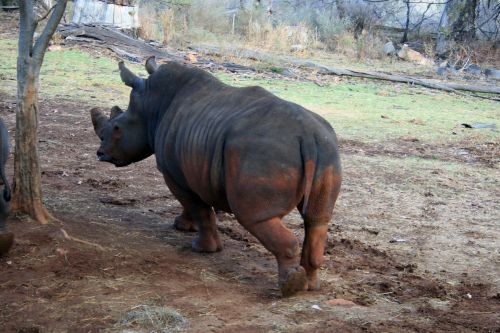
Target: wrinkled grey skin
239, 150
6, 238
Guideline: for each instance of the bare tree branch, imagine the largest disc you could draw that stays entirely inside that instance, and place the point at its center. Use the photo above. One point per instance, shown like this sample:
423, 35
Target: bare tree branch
43, 41
46, 14
26, 28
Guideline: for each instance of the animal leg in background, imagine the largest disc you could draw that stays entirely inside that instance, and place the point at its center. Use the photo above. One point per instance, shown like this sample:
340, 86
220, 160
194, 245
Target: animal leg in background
185, 222
200, 215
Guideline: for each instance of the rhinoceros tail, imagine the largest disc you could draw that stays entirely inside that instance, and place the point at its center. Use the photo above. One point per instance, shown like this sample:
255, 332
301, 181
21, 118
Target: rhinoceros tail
309, 158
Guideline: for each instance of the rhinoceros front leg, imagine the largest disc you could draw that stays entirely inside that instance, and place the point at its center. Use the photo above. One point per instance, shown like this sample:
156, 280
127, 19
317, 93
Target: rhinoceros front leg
196, 215
208, 239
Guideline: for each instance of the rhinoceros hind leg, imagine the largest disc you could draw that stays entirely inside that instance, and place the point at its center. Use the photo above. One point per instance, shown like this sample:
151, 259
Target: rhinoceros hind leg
281, 242
312, 253
295, 280
184, 222
6, 240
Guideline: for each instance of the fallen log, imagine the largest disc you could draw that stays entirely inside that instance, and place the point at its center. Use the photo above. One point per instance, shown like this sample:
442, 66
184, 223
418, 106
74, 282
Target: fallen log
125, 46
433, 84
324, 70
138, 51
134, 50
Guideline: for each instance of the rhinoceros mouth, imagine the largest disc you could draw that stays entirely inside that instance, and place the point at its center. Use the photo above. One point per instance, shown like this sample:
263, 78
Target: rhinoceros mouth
120, 164
106, 158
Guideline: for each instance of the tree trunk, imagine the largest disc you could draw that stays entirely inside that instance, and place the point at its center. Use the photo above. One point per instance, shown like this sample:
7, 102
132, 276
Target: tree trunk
27, 188
407, 25
464, 26
443, 32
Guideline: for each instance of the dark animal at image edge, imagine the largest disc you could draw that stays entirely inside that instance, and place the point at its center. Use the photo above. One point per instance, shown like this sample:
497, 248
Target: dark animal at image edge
6, 237
239, 150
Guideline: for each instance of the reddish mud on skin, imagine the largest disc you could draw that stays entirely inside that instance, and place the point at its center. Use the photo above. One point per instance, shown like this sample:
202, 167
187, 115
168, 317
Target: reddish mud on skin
241, 150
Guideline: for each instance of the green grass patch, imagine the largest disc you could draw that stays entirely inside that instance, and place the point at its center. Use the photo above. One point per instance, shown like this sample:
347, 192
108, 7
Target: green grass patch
378, 111
365, 110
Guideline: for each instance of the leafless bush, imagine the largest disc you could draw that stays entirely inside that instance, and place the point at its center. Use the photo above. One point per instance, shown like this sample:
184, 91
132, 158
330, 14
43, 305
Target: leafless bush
211, 16
331, 30
150, 28
480, 52
362, 15
167, 19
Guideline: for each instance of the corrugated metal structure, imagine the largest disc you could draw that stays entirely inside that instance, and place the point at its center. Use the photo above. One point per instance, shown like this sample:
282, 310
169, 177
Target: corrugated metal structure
119, 13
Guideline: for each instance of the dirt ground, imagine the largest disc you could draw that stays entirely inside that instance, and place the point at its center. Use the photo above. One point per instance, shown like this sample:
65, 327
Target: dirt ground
396, 260
413, 246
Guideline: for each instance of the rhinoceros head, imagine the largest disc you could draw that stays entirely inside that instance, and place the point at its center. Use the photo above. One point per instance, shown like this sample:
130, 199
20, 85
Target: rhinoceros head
124, 136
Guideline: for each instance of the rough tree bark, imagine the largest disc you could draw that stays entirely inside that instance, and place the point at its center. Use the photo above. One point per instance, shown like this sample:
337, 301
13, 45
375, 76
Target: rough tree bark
27, 190
458, 22
442, 33
407, 24
464, 27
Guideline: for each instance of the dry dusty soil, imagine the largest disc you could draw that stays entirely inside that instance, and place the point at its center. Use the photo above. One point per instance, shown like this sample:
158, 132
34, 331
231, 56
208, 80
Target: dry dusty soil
408, 250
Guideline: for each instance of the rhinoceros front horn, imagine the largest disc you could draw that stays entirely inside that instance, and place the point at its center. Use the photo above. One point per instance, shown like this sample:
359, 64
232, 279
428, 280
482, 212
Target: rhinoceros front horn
129, 78
151, 65
98, 120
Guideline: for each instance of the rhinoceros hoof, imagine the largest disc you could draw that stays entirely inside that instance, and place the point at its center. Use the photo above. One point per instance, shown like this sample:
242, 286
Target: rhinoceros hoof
6, 240
295, 281
206, 244
313, 284
183, 224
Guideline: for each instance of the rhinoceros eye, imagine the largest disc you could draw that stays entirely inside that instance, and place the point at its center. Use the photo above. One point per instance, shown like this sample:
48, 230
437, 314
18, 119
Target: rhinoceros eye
116, 128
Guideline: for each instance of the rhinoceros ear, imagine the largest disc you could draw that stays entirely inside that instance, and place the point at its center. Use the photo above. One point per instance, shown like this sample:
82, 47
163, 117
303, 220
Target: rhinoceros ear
151, 65
115, 111
129, 78
98, 120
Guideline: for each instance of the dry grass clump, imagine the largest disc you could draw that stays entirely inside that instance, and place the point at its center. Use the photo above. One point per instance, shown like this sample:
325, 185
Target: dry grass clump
167, 20
154, 319
149, 28
253, 27
280, 37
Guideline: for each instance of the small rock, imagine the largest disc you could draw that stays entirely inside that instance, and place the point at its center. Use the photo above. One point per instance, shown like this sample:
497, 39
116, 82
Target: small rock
492, 73
398, 240
473, 69
438, 304
288, 72
191, 58
316, 307
441, 71
297, 48
409, 54
54, 48
389, 48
